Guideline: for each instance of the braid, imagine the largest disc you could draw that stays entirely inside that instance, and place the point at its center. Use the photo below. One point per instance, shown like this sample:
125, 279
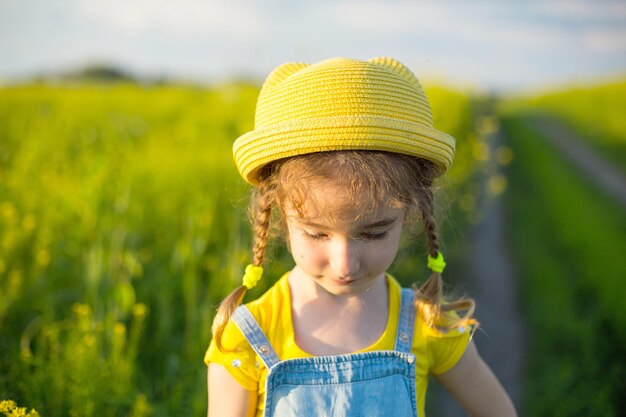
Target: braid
428, 216
262, 202
429, 297
262, 217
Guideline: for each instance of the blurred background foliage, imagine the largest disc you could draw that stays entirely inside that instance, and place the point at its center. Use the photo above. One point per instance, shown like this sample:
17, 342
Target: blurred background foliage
123, 223
596, 112
568, 238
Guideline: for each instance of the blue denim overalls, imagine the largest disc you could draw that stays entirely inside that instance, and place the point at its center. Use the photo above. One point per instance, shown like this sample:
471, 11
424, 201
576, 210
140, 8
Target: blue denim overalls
367, 384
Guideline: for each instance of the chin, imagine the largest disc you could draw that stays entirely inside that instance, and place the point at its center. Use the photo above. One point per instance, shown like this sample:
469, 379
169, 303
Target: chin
348, 288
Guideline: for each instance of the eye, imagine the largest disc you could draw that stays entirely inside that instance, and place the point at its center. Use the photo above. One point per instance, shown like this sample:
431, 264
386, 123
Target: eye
316, 236
373, 236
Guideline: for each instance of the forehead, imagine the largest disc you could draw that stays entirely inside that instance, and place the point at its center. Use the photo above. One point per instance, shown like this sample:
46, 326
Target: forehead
330, 204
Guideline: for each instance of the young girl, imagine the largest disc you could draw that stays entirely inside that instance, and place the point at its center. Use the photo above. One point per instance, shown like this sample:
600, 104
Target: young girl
346, 153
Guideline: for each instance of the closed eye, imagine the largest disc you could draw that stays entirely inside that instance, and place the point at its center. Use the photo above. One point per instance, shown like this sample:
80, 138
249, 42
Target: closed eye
316, 236
362, 236
373, 236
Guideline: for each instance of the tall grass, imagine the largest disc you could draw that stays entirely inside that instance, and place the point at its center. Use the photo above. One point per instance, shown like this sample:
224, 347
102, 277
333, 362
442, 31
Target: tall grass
120, 217
122, 226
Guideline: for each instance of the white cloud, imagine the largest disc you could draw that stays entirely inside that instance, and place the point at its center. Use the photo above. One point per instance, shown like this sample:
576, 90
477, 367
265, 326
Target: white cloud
605, 40
582, 9
236, 19
380, 18
447, 21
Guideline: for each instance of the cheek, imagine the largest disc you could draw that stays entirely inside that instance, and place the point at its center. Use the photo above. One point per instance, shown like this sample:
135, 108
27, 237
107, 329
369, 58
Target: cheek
311, 260
305, 251
384, 252
381, 256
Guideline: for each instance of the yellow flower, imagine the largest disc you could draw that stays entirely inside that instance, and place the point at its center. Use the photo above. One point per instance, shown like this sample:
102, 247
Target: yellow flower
140, 310
119, 329
481, 151
504, 155
89, 340
16, 278
10, 409
497, 184
43, 257
141, 407
6, 406
81, 310
29, 223
8, 211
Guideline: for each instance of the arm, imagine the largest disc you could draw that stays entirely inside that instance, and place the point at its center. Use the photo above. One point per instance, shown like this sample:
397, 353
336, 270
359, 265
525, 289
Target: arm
229, 398
472, 383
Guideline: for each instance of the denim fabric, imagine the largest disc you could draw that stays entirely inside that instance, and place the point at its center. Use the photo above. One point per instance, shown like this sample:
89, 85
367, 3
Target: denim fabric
255, 336
368, 384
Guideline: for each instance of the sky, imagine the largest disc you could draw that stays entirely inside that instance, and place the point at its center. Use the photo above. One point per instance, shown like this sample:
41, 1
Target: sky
504, 45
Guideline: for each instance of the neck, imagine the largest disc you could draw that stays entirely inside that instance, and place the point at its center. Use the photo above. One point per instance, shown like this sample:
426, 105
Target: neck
331, 324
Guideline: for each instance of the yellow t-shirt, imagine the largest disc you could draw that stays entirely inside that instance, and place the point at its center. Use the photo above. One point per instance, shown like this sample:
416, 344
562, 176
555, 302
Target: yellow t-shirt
435, 352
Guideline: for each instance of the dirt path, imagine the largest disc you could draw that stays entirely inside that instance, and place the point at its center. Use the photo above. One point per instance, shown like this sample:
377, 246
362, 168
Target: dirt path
491, 281
597, 171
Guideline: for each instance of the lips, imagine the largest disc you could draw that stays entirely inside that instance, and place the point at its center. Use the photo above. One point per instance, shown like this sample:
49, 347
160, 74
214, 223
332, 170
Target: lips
344, 281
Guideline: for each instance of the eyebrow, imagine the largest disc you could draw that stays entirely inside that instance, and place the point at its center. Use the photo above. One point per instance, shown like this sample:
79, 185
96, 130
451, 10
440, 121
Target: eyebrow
380, 223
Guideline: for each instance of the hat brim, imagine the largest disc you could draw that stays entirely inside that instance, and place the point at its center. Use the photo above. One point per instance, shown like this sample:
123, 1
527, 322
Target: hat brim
261, 146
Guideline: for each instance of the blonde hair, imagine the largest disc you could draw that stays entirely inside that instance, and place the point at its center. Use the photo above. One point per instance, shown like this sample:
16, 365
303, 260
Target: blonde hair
370, 179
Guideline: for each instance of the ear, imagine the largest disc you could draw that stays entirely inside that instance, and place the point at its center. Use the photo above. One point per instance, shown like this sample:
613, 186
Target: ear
400, 69
280, 74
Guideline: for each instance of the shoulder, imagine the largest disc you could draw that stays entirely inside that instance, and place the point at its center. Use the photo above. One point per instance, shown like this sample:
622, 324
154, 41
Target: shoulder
439, 349
237, 355
436, 351
269, 307
443, 348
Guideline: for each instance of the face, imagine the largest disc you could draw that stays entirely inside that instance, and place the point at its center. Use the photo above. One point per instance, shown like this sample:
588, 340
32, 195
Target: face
342, 255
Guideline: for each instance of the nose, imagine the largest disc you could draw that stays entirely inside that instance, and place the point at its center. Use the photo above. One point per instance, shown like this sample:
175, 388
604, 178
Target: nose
344, 260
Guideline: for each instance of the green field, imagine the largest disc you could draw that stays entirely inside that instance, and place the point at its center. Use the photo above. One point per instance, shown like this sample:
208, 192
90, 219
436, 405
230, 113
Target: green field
596, 112
114, 202
567, 239
122, 226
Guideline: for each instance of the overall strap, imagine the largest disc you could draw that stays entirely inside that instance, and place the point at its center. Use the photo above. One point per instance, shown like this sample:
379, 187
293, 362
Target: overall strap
255, 336
406, 321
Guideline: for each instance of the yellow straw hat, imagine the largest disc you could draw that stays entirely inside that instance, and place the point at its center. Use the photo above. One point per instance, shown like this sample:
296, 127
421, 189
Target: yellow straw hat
341, 104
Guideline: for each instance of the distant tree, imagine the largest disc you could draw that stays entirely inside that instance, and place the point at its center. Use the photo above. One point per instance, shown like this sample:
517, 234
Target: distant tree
104, 73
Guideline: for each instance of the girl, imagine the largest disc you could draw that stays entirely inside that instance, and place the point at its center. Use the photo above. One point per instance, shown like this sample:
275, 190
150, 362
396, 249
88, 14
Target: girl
346, 152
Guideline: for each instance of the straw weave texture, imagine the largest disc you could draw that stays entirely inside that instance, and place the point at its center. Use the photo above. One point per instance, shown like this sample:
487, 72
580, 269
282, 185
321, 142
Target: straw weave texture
341, 104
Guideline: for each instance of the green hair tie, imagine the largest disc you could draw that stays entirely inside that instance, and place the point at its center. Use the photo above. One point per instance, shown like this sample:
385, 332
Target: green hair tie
252, 276
436, 264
